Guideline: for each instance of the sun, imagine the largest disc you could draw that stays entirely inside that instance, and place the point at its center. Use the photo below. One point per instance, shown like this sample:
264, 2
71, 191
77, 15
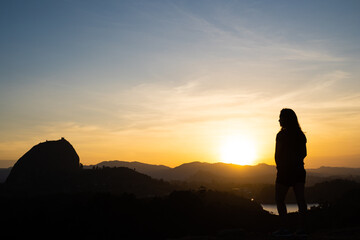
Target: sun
238, 150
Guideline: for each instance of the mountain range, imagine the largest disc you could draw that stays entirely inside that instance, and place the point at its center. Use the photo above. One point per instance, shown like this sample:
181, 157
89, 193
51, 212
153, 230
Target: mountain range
223, 172
210, 172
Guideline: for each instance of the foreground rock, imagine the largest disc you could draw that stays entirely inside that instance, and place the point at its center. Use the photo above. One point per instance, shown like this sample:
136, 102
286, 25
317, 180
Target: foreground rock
46, 165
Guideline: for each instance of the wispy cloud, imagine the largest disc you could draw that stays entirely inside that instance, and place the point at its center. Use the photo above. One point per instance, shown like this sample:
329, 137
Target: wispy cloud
166, 106
237, 34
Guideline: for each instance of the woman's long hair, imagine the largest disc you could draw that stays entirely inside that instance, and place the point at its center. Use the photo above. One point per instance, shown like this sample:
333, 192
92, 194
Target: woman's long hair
289, 120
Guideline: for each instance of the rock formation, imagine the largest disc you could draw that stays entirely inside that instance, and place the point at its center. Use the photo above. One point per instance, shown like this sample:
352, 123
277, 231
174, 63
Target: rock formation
45, 164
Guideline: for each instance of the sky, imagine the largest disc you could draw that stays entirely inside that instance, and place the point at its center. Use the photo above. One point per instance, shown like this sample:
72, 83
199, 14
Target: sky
167, 82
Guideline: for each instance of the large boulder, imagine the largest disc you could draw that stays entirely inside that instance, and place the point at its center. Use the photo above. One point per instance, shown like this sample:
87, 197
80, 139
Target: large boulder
46, 165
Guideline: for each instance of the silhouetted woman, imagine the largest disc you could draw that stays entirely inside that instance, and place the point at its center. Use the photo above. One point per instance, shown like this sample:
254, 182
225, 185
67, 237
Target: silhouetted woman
289, 157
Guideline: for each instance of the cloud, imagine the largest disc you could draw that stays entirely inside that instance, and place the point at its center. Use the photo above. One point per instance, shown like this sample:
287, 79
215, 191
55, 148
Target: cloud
162, 105
236, 36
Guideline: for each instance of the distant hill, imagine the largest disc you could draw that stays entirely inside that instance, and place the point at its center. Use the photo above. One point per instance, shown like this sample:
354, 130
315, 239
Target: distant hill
335, 171
118, 180
7, 163
148, 169
223, 172
4, 173
188, 171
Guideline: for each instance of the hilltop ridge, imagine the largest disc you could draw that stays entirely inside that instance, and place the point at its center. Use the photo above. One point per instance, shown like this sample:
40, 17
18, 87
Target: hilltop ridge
208, 172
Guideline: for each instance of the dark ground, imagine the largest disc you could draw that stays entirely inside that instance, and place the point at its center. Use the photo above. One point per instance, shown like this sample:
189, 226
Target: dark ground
200, 214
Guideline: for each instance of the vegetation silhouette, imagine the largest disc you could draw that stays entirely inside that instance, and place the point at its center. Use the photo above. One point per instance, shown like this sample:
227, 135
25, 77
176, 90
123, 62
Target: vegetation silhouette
108, 216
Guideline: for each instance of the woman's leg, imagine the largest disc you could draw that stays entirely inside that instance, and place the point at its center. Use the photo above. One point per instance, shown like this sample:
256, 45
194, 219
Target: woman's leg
280, 195
299, 190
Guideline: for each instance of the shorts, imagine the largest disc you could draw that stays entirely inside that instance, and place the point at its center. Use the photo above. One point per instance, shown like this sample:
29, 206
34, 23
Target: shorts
290, 178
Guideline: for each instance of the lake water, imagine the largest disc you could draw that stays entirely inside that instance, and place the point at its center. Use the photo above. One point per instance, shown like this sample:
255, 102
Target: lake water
290, 207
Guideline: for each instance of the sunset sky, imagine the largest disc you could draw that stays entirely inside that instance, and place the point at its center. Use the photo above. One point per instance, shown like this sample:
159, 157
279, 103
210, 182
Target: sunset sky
168, 82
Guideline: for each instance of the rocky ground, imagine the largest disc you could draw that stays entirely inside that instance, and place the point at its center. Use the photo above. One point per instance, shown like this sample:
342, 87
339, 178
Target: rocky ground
352, 233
